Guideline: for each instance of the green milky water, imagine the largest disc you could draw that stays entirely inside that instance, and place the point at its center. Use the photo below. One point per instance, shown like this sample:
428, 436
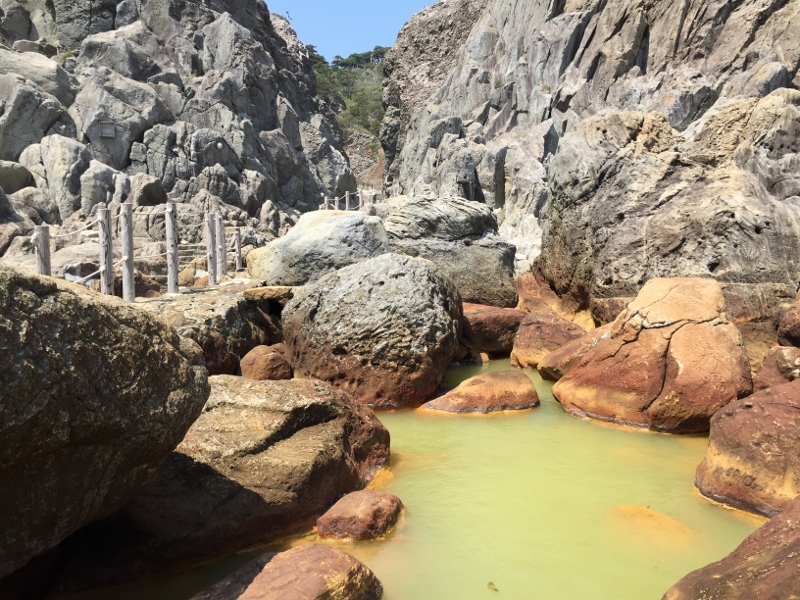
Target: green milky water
542, 505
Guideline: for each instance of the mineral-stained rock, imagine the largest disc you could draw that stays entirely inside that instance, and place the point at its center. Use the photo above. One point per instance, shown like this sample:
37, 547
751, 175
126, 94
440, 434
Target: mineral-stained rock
534, 291
308, 572
765, 565
264, 459
384, 329
490, 392
558, 363
671, 360
490, 329
362, 515
460, 237
266, 362
222, 322
321, 242
95, 395
541, 332
781, 365
279, 293
753, 458
789, 326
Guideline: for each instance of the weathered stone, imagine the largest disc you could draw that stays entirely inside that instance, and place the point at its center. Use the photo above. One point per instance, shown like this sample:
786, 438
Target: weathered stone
14, 177
146, 190
264, 459
95, 395
789, 326
28, 114
308, 572
460, 237
65, 160
384, 329
490, 329
781, 365
279, 293
534, 292
540, 333
753, 458
490, 392
45, 73
556, 364
321, 242
12, 223
266, 362
765, 565
674, 357
225, 325
362, 515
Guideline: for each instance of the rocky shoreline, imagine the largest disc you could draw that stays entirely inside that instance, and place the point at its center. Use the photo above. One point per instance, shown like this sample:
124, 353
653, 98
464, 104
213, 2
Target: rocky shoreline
561, 190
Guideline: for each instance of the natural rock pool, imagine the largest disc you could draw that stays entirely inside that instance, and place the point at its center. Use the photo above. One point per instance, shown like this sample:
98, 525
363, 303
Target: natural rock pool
534, 504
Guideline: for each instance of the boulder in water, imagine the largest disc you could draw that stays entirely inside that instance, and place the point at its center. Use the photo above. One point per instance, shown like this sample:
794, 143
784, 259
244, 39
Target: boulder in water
490, 392
489, 328
362, 515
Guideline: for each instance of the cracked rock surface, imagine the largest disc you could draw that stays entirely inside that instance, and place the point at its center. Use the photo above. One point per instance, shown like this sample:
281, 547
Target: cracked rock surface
674, 357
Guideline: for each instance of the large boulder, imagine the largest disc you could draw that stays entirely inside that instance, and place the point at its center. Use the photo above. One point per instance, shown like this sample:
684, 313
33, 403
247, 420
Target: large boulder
541, 332
461, 238
308, 572
780, 365
362, 515
491, 392
670, 362
385, 329
753, 457
556, 364
765, 565
266, 362
321, 242
264, 459
12, 223
222, 322
96, 394
45, 73
490, 329
28, 113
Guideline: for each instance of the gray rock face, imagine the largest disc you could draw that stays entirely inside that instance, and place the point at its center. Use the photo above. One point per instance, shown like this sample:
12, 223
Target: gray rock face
385, 329
320, 243
207, 98
633, 199
460, 238
95, 395
523, 73
264, 459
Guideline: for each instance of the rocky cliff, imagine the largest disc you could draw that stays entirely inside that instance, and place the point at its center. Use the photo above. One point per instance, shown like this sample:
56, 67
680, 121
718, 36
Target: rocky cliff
506, 116
209, 96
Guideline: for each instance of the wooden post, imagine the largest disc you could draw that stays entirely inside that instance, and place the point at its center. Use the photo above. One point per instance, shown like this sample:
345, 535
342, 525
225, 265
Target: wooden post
42, 247
106, 257
222, 249
126, 230
360, 200
211, 249
171, 219
347, 200
327, 203
238, 238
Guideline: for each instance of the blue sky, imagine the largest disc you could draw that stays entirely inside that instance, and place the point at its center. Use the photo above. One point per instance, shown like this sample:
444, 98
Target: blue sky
346, 26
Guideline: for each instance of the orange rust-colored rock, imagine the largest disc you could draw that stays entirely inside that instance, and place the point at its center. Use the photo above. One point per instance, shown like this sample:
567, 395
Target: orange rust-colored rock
490, 392
670, 361
540, 333
534, 291
558, 363
309, 572
764, 566
362, 515
489, 328
789, 327
753, 457
266, 362
781, 365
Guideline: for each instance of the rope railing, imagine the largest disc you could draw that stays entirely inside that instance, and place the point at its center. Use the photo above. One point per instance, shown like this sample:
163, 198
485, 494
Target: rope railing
216, 249
333, 203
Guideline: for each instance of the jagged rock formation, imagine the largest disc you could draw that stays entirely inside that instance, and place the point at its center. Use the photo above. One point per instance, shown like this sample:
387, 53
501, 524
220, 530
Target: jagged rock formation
529, 73
211, 97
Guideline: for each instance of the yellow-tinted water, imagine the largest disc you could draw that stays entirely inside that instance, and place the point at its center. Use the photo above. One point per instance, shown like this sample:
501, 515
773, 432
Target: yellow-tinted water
543, 506
532, 505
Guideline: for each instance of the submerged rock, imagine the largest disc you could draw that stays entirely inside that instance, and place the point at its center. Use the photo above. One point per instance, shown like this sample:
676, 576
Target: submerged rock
385, 330
670, 361
363, 515
541, 332
490, 329
765, 565
753, 457
490, 392
320, 243
308, 572
264, 459
95, 395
